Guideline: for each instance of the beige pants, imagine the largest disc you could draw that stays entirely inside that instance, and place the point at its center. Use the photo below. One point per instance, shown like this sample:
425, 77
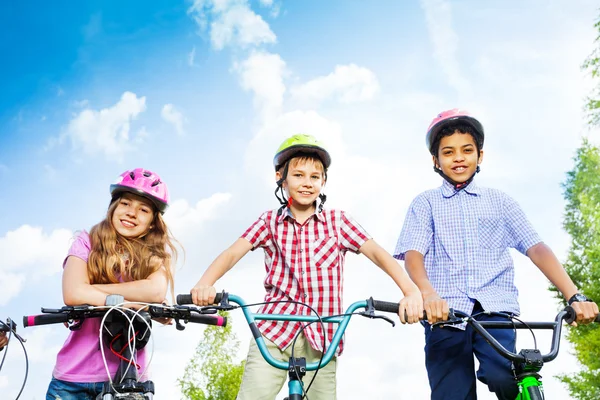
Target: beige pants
263, 382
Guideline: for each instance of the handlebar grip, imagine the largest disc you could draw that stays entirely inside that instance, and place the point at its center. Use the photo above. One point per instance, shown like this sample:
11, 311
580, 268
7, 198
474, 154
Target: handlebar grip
386, 306
183, 299
208, 319
44, 319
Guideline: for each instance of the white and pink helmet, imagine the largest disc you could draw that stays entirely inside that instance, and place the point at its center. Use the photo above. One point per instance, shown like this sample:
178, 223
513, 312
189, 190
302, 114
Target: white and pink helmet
143, 183
453, 116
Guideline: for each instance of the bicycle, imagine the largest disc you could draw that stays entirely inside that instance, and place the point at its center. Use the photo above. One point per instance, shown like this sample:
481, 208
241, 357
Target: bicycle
297, 367
126, 331
528, 362
10, 327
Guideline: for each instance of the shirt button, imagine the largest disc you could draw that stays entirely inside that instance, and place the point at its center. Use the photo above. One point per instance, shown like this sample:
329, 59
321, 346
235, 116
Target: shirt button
305, 295
301, 250
302, 273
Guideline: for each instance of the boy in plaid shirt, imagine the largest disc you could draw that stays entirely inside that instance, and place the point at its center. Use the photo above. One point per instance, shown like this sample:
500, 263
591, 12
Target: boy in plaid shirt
455, 243
305, 246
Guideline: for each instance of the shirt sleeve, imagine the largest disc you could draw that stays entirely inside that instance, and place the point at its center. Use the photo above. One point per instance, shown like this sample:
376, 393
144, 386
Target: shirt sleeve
352, 235
521, 234
80, 248
258, 233
417, 231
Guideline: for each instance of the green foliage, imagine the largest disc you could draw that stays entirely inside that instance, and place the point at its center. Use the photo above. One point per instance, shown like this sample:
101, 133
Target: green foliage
211, 373
582, 222
592, 64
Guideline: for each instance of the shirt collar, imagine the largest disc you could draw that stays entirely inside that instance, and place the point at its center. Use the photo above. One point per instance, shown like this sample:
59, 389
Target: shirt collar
287, 213
449, 191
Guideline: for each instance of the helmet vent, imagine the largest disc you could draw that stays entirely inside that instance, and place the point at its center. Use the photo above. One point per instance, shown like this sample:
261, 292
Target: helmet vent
132, 175
156, 182
147, 174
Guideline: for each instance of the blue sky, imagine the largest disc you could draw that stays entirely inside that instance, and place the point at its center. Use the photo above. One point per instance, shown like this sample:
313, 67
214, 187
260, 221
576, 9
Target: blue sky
204, 92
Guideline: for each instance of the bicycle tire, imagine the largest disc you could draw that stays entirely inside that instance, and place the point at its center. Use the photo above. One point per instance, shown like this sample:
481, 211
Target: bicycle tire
535, 393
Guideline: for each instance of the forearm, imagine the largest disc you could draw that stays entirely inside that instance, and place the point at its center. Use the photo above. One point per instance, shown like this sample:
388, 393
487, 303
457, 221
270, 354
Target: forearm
144, 290
543, 257
391, 267
77, 295
223, 263
415, 266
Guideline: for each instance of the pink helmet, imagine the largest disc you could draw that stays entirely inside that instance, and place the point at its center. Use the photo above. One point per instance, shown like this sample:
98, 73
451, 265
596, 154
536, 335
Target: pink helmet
143, 183
456, 115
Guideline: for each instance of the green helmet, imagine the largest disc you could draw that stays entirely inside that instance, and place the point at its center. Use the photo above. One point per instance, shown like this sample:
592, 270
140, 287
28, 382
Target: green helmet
301, 144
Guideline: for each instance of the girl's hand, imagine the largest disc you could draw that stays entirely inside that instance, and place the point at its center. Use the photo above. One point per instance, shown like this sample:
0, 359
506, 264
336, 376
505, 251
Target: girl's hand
411, 307
203, 295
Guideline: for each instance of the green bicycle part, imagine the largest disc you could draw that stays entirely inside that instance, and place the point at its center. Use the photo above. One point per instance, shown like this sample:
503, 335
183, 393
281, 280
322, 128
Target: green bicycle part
530, 388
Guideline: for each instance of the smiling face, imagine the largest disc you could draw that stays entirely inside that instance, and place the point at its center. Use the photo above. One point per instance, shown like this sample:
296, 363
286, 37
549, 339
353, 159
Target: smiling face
457, 156
133, 216
304, 181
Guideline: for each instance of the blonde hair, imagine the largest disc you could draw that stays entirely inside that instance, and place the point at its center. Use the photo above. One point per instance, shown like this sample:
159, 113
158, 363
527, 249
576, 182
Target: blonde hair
115, 259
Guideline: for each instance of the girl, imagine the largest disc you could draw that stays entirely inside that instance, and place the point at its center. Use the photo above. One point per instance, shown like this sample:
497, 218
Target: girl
130, 253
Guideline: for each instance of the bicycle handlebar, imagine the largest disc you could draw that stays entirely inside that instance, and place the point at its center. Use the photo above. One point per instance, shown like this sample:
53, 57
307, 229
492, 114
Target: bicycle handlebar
568, 315
71, 313
369, 305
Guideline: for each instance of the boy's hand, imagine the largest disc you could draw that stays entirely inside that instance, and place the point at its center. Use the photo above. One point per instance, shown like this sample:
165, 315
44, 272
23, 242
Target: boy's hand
203, 295
586, 312
411, 306
435, 307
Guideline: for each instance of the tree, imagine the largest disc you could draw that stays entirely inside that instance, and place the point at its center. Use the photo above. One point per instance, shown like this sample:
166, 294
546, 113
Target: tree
592, 64
211, 373
582, 222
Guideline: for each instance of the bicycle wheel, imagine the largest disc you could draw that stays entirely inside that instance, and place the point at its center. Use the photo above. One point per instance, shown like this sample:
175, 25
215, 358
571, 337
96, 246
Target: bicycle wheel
535, 393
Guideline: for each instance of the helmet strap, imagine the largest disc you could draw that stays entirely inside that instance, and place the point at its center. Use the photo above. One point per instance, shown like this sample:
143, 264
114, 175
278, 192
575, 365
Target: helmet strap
456, 185
282, 200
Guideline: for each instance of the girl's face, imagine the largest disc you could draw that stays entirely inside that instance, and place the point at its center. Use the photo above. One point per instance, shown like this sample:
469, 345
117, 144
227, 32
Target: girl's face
457, 156
133, 216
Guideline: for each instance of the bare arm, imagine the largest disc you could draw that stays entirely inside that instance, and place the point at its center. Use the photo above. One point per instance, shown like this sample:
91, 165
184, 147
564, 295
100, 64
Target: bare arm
412, 302
203, 293
435, 307
152, 289
76, 286
543, 257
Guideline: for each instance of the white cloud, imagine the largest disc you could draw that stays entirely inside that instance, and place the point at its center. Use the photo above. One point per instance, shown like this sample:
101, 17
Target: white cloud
263, 73
182, 217
231, 23
28, 252
348, 83
105, 131
438, 14
170, 114
11, 285
192, 56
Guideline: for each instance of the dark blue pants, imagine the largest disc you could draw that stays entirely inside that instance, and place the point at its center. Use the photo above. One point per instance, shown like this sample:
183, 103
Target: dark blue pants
451, 366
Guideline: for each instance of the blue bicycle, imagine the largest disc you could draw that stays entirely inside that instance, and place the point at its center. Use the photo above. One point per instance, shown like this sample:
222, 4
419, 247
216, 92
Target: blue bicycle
296, 367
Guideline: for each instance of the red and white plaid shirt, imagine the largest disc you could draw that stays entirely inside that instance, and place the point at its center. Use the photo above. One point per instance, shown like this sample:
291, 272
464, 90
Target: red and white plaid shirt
304, 263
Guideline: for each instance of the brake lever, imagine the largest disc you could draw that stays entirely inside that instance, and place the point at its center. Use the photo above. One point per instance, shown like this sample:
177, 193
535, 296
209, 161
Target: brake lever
370, 313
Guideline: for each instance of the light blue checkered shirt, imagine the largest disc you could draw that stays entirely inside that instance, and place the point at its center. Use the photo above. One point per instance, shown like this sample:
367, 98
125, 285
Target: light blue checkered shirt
465, 237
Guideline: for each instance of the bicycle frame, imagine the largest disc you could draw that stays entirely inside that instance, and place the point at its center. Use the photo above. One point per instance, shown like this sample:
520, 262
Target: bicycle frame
528, 362
297, 367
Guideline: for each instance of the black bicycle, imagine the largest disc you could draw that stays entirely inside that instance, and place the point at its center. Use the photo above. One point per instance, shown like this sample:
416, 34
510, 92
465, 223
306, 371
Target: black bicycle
9, 328
124, 331
528, 362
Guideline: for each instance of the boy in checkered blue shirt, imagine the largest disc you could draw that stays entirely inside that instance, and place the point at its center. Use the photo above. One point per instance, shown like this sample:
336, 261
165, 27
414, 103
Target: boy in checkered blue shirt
455, 243
305, 247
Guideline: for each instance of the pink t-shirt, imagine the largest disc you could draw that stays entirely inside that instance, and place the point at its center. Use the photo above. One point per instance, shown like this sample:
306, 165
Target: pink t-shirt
80, 359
